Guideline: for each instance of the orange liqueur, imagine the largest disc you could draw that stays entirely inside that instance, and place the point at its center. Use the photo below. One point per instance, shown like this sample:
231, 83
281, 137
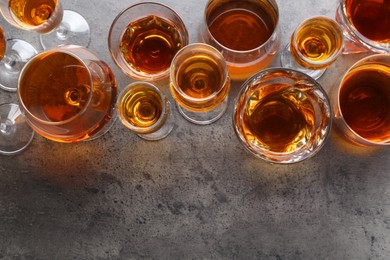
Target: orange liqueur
242, 29
141, 108
150, 44
32, 12
200, 77
364, 101
280, 119
2, 44
371, 18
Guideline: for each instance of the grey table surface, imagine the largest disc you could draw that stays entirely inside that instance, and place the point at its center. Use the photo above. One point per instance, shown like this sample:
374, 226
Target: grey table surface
196, 194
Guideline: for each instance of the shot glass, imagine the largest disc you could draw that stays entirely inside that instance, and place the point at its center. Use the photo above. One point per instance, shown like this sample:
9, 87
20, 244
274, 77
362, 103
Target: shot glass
144, 109
200, 83
282, 116
144, 38
361, 102
366, 25
246, 32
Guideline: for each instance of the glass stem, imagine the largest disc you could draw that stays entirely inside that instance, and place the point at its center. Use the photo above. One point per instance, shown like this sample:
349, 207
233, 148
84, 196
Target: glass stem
10, 61
62, 31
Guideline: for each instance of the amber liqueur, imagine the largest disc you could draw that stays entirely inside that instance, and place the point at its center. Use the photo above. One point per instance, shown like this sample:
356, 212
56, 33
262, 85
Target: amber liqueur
365, 101
32, 12
2, 43
242, 28
149, 44
371, 18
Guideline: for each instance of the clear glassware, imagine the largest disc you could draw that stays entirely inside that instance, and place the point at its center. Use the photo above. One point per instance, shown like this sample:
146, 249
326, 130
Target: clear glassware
144, 38
315, 44
68, 94
200, 83
230, 27
145, 110
361, 102
47, 17
15, 134
365, 24
14, 54
282, 116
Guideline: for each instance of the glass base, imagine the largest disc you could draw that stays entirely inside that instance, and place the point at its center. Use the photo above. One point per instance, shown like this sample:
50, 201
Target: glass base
288, 61
204, 118
15, 133
161, 133
18, 52
74, 29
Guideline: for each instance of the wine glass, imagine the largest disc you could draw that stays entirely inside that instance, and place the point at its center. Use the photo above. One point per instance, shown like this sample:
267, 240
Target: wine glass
15, 134
247, 33
47, 17
365, 24
68, 94
315, 44
144, 38
200, 83
145, 110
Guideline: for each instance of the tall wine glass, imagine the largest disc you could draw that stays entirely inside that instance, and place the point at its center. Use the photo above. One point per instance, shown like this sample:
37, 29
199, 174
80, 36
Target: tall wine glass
15, 134
68, 94
47, 17
315, 44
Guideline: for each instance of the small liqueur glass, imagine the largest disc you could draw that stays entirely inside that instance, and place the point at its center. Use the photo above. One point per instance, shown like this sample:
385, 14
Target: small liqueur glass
144, 38
282, 116
146, 111
55, 25
315, 44
200, 83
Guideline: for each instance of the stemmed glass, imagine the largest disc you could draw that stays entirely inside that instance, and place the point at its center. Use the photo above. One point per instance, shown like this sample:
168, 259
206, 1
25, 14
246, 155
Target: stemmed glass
314, 45
47, 17
144, 38
145, 110
67, 94
15, 134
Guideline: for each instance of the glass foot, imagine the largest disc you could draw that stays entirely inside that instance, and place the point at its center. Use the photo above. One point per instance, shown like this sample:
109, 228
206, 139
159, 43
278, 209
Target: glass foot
74, 29
288, 61
15, 133
18, 52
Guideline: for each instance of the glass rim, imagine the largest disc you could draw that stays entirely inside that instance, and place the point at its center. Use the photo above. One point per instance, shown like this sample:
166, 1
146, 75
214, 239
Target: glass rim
334, 55
285, 157
59, 49
368, 43
128, 70
164, 112
213, 51
358, 64
270, 39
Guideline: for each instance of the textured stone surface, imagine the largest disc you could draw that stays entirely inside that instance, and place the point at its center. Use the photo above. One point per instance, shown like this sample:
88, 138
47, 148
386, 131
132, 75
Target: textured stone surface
196, 194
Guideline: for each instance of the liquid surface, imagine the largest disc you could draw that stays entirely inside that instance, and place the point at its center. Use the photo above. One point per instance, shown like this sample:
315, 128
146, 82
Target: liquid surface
280, 119
371, 18
365, 102
150, 44
317, 40
32, 12
58, 85
141, 108
242, 30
